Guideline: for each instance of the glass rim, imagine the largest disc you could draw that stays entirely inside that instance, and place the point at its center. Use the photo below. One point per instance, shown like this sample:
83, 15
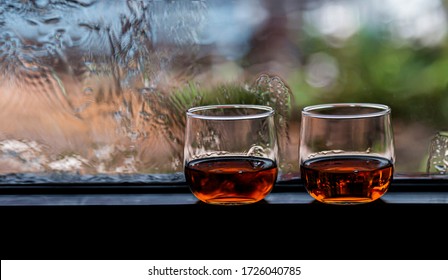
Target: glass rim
314, 110
264, 111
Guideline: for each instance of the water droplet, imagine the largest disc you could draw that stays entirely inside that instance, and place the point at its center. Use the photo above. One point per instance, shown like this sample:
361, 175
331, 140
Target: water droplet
256, 151
438, 155
88, 91
41, 3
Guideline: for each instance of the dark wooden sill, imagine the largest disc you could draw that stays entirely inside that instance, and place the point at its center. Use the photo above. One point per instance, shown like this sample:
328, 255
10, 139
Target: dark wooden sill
404, 190
167, 222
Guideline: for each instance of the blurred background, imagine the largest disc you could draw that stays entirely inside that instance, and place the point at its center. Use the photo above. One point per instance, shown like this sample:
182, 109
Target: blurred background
96, 90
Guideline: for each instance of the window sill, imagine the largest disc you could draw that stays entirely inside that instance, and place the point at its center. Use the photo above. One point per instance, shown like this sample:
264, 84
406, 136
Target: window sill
404, 190
167, 222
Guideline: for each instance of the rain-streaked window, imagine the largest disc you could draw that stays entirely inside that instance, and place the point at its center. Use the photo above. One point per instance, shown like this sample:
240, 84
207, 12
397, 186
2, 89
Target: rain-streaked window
96, 90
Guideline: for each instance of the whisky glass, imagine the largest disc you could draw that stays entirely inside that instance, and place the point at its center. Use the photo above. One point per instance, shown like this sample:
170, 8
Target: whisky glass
230, 153
346, 152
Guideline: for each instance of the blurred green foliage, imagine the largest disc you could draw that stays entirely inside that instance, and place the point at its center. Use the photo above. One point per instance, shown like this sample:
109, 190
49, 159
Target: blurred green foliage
372, 67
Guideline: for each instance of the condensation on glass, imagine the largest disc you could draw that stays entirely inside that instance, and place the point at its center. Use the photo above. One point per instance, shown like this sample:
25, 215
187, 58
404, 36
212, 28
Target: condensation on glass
438, 154
96, 90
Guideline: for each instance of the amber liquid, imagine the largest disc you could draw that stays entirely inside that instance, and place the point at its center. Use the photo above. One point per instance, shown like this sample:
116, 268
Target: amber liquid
231, 180
347, 179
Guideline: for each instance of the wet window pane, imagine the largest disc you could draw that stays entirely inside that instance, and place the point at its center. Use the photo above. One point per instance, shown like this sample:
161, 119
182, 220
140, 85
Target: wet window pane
96, 90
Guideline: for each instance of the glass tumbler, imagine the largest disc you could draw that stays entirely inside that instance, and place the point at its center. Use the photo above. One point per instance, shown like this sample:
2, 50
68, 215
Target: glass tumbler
346, 152
230, 153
